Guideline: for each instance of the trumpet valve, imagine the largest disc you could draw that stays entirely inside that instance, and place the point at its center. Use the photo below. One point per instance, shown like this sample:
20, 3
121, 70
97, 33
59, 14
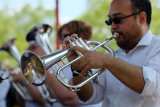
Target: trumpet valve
76, 36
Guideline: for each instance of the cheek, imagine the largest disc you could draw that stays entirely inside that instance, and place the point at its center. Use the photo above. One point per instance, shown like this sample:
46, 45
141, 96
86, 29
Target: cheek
134, 24
135, 27
130, 27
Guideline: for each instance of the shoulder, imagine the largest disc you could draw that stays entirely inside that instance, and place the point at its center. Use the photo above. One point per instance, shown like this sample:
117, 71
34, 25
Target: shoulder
154, 46
155, 41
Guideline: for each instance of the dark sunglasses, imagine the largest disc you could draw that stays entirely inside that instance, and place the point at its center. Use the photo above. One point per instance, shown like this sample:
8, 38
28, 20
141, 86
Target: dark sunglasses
64, 36
117, 20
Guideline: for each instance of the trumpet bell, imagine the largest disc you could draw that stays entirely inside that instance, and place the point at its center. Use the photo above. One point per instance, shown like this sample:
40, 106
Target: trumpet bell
33, 68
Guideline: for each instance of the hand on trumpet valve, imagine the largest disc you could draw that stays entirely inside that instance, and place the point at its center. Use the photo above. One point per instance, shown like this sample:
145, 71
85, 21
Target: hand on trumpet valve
71, 41
90, 59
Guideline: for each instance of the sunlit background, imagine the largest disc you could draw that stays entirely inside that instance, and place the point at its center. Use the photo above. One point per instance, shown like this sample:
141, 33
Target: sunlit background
17, 17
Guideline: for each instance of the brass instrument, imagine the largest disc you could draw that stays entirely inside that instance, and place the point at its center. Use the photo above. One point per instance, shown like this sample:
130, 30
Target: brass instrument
36, 75
13, 51
40, 34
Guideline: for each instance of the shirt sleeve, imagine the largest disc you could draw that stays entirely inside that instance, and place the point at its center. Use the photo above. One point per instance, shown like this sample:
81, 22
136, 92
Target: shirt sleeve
98, 90
151, 74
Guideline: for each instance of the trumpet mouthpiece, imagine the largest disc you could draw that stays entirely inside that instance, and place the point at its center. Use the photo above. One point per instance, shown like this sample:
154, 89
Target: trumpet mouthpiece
115, 35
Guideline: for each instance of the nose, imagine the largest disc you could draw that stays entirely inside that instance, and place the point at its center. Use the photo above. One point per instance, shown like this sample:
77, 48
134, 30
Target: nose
114, 27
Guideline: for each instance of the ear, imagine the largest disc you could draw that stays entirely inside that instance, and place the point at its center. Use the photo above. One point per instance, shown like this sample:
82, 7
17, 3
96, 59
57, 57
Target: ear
142, 18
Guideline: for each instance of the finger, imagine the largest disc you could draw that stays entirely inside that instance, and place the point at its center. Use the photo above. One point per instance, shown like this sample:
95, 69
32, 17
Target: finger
71, 82
72, 37
85, 70
63, 46
65, 41
12, 73
85, 41
79, 49
82, 63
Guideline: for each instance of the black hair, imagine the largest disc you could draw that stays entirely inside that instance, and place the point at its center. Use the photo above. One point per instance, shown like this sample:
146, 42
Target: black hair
143, 6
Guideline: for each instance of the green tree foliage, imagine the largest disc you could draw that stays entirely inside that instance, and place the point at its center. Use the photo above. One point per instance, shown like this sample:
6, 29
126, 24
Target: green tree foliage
18, 23
97, 13
155, 23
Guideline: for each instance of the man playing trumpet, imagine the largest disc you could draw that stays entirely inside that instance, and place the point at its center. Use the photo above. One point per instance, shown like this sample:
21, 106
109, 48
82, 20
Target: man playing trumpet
132, 79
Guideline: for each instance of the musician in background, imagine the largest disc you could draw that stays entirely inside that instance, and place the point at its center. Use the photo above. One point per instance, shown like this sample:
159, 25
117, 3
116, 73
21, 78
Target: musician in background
35, 94
133, 78
4, 88
81, 28
63, 95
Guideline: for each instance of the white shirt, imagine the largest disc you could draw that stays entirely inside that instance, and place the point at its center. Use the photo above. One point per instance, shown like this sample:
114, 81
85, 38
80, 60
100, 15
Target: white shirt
34, 104
4, 88
115, 94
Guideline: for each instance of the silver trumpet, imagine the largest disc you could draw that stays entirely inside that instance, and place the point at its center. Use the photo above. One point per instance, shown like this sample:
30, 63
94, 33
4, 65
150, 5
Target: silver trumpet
40, 34
34, 66
13, 51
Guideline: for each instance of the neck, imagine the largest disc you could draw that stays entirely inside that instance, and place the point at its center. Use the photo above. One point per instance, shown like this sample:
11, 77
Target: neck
144, 30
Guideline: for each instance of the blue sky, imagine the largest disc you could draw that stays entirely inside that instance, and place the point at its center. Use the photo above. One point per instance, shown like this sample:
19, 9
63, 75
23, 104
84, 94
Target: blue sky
68, 9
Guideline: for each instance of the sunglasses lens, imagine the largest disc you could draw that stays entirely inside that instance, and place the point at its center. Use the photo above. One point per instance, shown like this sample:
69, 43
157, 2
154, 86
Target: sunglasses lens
117, 20
108, 22
64, 36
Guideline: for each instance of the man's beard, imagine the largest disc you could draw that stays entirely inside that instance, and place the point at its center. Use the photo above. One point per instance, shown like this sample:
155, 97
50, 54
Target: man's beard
130, 40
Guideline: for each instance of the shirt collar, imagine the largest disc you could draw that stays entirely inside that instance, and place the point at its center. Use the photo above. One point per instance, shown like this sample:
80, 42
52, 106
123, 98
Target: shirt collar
146, 39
